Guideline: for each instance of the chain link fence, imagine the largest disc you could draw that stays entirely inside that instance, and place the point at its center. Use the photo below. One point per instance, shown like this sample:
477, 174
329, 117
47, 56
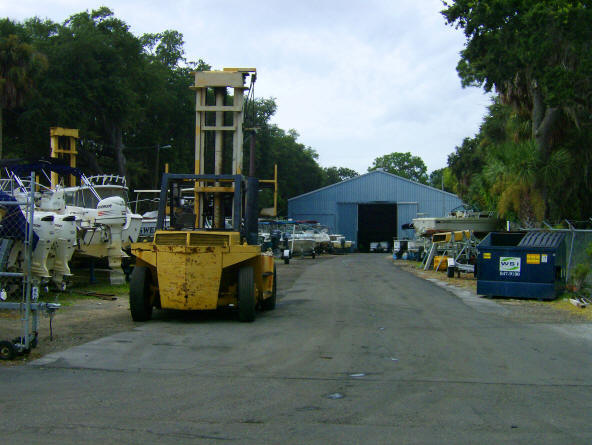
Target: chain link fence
578, 236
576, 242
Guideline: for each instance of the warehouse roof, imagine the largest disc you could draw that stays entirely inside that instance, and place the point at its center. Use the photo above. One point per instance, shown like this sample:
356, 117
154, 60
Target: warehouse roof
374, 172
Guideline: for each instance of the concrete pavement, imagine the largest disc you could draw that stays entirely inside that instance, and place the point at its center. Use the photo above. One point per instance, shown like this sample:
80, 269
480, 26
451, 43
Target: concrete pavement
357, 351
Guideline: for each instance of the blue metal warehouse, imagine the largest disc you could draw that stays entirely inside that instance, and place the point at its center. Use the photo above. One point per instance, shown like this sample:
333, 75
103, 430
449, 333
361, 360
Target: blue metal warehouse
372, 207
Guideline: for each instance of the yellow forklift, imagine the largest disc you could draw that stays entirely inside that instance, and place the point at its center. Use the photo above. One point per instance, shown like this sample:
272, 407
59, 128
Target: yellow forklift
205, 253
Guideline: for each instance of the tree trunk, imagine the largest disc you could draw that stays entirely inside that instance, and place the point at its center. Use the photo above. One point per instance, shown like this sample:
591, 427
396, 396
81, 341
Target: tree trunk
116, 139
544, 120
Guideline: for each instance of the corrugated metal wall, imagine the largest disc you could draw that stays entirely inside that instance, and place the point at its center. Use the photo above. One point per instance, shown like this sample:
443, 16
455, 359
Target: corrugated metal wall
406, 211
347, 220
337, 205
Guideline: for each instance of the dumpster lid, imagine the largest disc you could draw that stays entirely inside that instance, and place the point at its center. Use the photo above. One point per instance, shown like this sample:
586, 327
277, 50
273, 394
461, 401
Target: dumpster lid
550, 240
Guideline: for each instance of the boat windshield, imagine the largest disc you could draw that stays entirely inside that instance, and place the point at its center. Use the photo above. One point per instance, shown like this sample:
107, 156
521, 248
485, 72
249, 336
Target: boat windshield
83, 197
108, 191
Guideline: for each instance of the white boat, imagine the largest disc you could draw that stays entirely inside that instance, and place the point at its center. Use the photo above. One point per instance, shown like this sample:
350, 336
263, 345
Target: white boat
320, 237
339, 244
463, 218
54, 236
76, 219
303, 244
106, 225
337, 241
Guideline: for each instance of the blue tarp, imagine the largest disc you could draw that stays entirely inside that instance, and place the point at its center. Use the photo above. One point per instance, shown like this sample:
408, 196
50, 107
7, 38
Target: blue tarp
13, 224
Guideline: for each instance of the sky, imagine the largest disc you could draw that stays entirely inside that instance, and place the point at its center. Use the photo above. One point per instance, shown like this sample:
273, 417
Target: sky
356, 79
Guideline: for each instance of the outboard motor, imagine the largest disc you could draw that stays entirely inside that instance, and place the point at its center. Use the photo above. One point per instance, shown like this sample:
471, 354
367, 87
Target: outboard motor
112, 212
65, 227
43, 225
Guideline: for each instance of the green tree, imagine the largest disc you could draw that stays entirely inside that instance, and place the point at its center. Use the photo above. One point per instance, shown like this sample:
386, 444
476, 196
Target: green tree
333, 175
109, 80
298, 169
466, 161
402, 164
130, 95
18, 63
443, 179
93, 83
537, 55
168, 117
501, 168
166, 47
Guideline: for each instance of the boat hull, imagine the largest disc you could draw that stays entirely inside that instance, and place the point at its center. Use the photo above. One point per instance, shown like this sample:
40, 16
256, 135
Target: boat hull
429, 226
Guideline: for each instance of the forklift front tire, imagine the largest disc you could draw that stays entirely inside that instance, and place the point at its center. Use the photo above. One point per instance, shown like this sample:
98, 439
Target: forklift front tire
246, 294
269, 303
140, 301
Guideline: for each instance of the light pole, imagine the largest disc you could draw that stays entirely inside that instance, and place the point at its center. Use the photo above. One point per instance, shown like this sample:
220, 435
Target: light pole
157, 164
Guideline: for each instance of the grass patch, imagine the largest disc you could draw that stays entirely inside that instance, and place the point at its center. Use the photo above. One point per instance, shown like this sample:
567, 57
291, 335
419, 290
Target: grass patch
87, 292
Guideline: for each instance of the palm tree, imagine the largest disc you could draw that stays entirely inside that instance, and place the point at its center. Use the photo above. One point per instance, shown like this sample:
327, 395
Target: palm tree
18, 62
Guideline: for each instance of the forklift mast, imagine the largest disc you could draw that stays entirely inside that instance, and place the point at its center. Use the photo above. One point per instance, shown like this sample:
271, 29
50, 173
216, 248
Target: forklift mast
223, 198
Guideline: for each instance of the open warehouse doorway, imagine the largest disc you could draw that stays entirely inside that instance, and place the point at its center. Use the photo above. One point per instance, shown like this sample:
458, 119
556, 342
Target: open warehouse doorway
376, 223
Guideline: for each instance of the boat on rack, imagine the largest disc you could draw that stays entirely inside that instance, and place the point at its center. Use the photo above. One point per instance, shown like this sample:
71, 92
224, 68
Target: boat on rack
92, 219
106, 225
54, 235
339, 244
460, 218
302, 244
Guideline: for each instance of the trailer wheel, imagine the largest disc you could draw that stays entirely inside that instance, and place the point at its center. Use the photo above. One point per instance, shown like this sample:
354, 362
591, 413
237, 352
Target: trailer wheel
140, 301
269, 303
246, 294
7, 351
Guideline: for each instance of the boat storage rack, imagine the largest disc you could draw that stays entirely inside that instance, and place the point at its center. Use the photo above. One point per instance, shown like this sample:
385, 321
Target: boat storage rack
29, 306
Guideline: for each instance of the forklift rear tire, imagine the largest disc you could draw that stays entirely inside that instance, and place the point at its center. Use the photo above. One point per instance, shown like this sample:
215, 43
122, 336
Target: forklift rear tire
269, 303
286, 260
246, 294
7, 350
140, 304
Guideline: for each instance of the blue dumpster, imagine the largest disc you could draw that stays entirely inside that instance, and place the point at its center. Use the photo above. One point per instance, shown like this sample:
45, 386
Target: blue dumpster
521, 264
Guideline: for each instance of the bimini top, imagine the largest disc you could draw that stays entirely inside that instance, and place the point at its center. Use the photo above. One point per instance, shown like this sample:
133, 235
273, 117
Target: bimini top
20, 169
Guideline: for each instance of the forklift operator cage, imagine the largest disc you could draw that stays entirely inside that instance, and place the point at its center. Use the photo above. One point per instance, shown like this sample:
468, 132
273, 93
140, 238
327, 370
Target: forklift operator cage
179, 189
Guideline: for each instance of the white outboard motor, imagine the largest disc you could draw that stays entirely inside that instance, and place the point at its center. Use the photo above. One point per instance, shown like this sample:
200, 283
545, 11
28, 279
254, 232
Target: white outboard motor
112, 212
43, 224
65, 228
